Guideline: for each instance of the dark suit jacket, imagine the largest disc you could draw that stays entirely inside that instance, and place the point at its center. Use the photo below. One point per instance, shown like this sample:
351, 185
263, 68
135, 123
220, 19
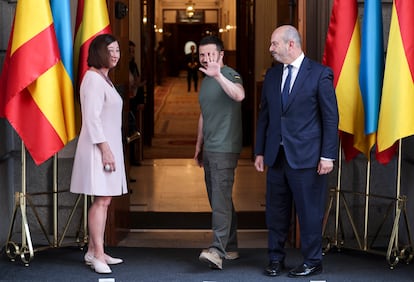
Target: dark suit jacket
308, 127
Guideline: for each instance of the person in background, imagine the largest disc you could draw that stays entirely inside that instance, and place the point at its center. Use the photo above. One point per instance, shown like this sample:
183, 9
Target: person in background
160, 62
98, 168
192, 68
297, 138
136, 103
219, 143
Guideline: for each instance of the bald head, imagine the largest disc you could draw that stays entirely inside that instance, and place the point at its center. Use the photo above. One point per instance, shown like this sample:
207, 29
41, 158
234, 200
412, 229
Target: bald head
290, 33
285, 44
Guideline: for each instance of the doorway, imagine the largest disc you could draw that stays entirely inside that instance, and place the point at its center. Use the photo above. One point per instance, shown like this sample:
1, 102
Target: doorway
176, 36
165, 21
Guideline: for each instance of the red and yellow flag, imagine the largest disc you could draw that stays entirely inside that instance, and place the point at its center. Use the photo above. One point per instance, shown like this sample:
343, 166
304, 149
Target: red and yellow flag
31, 81
342, 54
396, 119
91, 20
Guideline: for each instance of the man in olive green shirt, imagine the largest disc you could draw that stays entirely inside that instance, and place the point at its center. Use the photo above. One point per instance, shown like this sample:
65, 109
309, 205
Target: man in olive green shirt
219, 142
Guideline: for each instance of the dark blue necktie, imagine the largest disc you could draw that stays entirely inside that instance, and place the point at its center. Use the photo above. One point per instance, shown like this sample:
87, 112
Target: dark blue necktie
286, 87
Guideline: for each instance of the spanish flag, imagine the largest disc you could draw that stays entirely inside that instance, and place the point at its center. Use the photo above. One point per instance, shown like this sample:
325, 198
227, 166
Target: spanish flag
31, 96
342, 54
396, 119
91, 20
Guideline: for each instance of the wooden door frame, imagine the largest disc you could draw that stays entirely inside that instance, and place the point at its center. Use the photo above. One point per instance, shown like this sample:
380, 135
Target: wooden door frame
148, 67
118, 213
245, 40
245, 64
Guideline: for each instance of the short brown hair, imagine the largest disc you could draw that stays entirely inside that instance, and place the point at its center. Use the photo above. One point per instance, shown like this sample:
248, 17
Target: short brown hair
211, 39
98, 54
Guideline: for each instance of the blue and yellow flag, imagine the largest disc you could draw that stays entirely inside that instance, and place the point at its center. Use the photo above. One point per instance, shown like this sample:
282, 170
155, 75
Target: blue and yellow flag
371, 71
62, 21
342, 54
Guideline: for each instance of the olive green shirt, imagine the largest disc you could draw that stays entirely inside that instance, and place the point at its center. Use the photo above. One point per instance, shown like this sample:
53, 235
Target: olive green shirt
222, 120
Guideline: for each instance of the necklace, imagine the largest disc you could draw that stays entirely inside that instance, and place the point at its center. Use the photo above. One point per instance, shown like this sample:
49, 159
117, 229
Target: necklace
105, 77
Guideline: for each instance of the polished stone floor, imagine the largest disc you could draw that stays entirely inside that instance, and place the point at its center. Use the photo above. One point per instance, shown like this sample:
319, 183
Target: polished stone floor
177, 185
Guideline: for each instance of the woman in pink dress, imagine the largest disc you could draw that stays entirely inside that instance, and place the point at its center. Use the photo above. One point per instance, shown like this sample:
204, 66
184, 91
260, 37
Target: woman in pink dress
98, 168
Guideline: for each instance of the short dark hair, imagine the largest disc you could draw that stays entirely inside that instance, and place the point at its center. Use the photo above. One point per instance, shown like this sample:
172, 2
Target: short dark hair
98, 54
211, 39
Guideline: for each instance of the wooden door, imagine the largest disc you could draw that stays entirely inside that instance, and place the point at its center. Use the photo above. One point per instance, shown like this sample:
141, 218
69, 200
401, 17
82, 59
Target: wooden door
118, 214
148, 67
245, 45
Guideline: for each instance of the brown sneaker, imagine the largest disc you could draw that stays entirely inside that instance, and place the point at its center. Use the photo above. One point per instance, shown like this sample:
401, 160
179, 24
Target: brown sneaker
212, 258
232, 255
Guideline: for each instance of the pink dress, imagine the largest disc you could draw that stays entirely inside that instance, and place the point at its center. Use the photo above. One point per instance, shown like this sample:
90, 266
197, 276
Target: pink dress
101, 107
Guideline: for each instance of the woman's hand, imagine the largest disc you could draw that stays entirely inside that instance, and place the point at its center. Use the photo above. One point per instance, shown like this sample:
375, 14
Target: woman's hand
108, 160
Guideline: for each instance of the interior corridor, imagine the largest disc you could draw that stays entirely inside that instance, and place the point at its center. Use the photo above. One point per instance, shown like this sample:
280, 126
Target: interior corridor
168, 179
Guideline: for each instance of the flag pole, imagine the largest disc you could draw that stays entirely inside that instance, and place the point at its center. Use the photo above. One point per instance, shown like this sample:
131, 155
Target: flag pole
55, 201
27, 246
334, 194
398, 188
397, 196
367, 195
85, 220
338, 190
393, 252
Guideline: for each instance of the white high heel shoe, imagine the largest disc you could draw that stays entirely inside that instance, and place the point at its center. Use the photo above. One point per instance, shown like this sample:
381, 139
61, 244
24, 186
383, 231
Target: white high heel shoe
111, 260
100, 267
108, 259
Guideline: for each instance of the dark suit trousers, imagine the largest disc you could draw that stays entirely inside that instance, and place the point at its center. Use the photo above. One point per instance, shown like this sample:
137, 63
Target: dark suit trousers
308, 190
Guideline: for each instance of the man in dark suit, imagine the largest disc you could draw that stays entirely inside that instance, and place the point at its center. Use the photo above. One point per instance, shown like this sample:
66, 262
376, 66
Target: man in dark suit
297, 140
191, 60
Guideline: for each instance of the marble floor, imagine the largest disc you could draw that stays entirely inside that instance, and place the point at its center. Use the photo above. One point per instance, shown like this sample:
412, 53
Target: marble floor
177, 185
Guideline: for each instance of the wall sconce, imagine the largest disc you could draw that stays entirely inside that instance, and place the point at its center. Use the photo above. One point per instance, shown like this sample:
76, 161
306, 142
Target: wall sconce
190, 9
159, 30
227, 28
144, 12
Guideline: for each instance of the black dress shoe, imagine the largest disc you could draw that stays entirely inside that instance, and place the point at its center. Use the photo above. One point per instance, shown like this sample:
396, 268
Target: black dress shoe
305, 270
274, 268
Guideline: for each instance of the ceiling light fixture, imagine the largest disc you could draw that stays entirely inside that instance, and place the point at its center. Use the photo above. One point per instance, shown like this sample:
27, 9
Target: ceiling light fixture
190, 9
